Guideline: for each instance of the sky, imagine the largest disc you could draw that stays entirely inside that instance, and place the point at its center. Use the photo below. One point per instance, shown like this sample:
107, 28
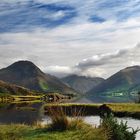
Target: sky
85, 37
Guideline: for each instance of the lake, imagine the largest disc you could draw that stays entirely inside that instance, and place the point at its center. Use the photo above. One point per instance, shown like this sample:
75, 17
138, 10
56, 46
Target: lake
29, 113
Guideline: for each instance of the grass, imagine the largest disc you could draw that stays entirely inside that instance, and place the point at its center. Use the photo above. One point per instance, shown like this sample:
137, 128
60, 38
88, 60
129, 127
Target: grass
77, 130
63, 128
119, 109
43, 85
116, 107
13, 132
126, 110
129, 107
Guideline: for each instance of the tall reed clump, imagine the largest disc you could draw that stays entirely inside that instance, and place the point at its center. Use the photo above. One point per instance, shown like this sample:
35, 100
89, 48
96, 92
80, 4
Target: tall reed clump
60, 120
82, 130
116, 130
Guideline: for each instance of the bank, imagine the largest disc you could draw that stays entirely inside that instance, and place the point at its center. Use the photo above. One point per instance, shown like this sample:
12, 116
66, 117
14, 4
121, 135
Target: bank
118, 109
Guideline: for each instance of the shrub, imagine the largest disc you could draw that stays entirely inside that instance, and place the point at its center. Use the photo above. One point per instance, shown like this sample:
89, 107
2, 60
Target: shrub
118, 131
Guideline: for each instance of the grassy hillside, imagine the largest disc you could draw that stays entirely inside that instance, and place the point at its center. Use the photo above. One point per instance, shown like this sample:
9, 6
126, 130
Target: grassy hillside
28, 75
82, 84
10, 89
120, 87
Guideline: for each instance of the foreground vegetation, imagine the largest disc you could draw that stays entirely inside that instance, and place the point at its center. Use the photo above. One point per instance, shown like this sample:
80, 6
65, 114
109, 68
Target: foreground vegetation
23, 132
64, 128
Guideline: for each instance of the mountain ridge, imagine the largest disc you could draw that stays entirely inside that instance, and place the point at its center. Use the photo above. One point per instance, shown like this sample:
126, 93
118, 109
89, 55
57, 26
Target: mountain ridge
82, 84
122, 80
27, 74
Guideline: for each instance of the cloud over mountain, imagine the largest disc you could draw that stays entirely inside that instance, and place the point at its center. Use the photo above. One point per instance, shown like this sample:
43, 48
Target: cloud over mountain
102, 64
58, 34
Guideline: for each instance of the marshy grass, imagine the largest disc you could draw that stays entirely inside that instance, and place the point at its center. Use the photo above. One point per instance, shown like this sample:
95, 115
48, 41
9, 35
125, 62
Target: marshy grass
119, 109
60, 119
128, 107
76, 130
126, 110
64, 128
131, 107
73, 109
13, 131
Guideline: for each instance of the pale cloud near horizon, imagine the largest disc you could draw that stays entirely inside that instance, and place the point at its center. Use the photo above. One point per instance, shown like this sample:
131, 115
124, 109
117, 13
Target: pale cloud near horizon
100, 65
91, 38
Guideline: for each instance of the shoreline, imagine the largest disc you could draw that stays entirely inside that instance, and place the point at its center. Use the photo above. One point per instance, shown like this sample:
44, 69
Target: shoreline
118, 109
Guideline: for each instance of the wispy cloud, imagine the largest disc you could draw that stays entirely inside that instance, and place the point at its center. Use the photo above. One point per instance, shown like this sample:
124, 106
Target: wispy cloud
58, 34
30, 15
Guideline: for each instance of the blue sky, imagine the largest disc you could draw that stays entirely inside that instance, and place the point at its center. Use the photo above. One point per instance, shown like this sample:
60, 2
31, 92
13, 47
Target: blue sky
89, 37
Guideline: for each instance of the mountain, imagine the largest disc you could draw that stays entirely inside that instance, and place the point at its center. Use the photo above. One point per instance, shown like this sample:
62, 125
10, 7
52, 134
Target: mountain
27, 74
7, 88
122, 81
82, 84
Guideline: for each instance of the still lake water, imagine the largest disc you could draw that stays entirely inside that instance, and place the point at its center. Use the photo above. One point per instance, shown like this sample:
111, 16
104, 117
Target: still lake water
30, 113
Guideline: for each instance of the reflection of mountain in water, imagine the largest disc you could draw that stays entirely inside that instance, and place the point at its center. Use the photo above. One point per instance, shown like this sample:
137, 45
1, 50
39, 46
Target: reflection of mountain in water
20, 113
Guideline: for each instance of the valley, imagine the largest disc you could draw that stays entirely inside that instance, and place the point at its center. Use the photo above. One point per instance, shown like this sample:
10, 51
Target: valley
32, 97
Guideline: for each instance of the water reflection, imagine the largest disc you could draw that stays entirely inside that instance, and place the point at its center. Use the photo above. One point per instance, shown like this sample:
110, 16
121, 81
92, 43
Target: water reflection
31, 112
24, 112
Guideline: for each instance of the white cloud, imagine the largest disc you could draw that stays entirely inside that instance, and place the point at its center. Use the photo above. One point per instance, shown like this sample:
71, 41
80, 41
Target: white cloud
104, 48
65, 46
59, 69
102, 65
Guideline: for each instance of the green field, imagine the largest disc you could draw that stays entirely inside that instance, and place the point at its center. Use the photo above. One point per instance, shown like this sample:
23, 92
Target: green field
25, 132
